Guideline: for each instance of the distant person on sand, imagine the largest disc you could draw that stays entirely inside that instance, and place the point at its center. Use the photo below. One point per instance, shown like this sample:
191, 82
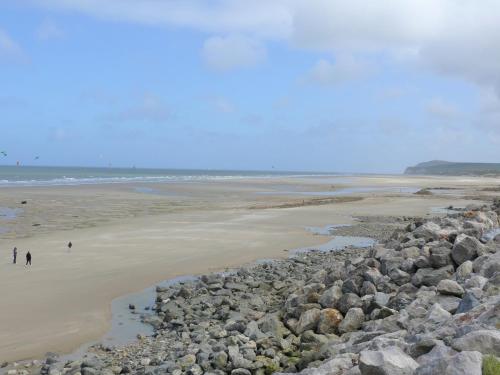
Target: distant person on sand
14, 255
28, 258
70, 245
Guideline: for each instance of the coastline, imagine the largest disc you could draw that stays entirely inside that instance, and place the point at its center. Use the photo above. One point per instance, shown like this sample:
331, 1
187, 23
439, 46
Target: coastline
208, 231
398, 304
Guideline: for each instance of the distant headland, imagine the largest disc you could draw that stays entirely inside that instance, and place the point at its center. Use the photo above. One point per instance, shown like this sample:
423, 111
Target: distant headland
441, 167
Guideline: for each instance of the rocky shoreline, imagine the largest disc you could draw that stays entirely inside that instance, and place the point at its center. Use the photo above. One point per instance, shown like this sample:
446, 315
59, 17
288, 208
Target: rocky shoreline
424, 301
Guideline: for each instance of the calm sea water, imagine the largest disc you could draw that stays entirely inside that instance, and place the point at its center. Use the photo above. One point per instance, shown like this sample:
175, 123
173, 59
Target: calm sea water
47, 176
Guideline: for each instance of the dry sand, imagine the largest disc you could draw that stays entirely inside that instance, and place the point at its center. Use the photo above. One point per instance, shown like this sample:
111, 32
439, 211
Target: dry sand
125, 240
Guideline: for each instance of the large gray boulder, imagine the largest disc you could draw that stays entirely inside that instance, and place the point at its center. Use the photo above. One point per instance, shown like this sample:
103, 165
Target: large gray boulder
237, 358
336, 366
431, 276
399, 277
440, 257
437, 314
464, 363
483, 341
464, 270
340, 365
487, 265
348, 301
428, 231
308, 320
450, 287
331, 296
467, 303
352, 320
390, 361
372, 275
465, 248
271, 324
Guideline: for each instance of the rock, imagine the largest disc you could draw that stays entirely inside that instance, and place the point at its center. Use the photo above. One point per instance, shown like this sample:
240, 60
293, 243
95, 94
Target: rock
330, 297
465, 248
483, 341
440, 257
220, 360
241, 371
449, 303
271, 324
421, 347
317, 340
372, 275
381, 299
187, 361
350, 286
390, 262
237, 358
390, 361
367, 288
437, 314
348, 301
450, 287
464, 363
252, 330
329, 321
467, 303
464, 270
431, 276
428, 231
399, 277
195, 370
336, 366
422, 262
308, 320
352, 320
411, 252
487, 265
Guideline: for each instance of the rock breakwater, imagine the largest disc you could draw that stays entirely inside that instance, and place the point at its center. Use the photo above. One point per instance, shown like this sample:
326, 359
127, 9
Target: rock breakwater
426, 301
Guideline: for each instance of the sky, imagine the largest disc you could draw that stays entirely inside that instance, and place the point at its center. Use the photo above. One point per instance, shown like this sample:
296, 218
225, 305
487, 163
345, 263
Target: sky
319, 85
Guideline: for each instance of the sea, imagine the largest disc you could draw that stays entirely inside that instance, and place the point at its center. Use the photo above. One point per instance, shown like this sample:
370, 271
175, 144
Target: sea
56, 176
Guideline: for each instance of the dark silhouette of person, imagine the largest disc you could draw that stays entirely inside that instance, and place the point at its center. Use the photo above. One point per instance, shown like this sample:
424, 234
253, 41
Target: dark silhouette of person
14, 255
70, 245
28, 258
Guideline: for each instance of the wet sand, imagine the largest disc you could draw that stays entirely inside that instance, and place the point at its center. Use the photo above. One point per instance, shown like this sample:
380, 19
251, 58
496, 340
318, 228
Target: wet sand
126, 239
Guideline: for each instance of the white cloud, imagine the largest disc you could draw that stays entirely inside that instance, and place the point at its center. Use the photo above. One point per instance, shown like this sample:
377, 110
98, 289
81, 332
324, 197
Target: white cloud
252, 119
218, 103
269, 19
223, 105
49, 30
231, 52
345, 68
452, 37
149, 109
442, 109
489, 112
10, 51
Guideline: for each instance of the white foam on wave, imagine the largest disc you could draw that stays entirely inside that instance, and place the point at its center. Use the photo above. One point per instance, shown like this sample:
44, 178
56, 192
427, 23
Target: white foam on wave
114, 180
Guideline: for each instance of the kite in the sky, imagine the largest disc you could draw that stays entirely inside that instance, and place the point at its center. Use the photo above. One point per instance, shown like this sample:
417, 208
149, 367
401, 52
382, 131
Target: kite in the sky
3, 153
37, 157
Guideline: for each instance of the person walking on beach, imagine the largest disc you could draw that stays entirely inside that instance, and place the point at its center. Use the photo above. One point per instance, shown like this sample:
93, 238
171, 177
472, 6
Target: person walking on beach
70, 245
28, 258
14, 255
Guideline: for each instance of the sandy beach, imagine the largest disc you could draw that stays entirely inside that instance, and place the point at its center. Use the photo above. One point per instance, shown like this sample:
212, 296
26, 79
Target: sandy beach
129, 236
